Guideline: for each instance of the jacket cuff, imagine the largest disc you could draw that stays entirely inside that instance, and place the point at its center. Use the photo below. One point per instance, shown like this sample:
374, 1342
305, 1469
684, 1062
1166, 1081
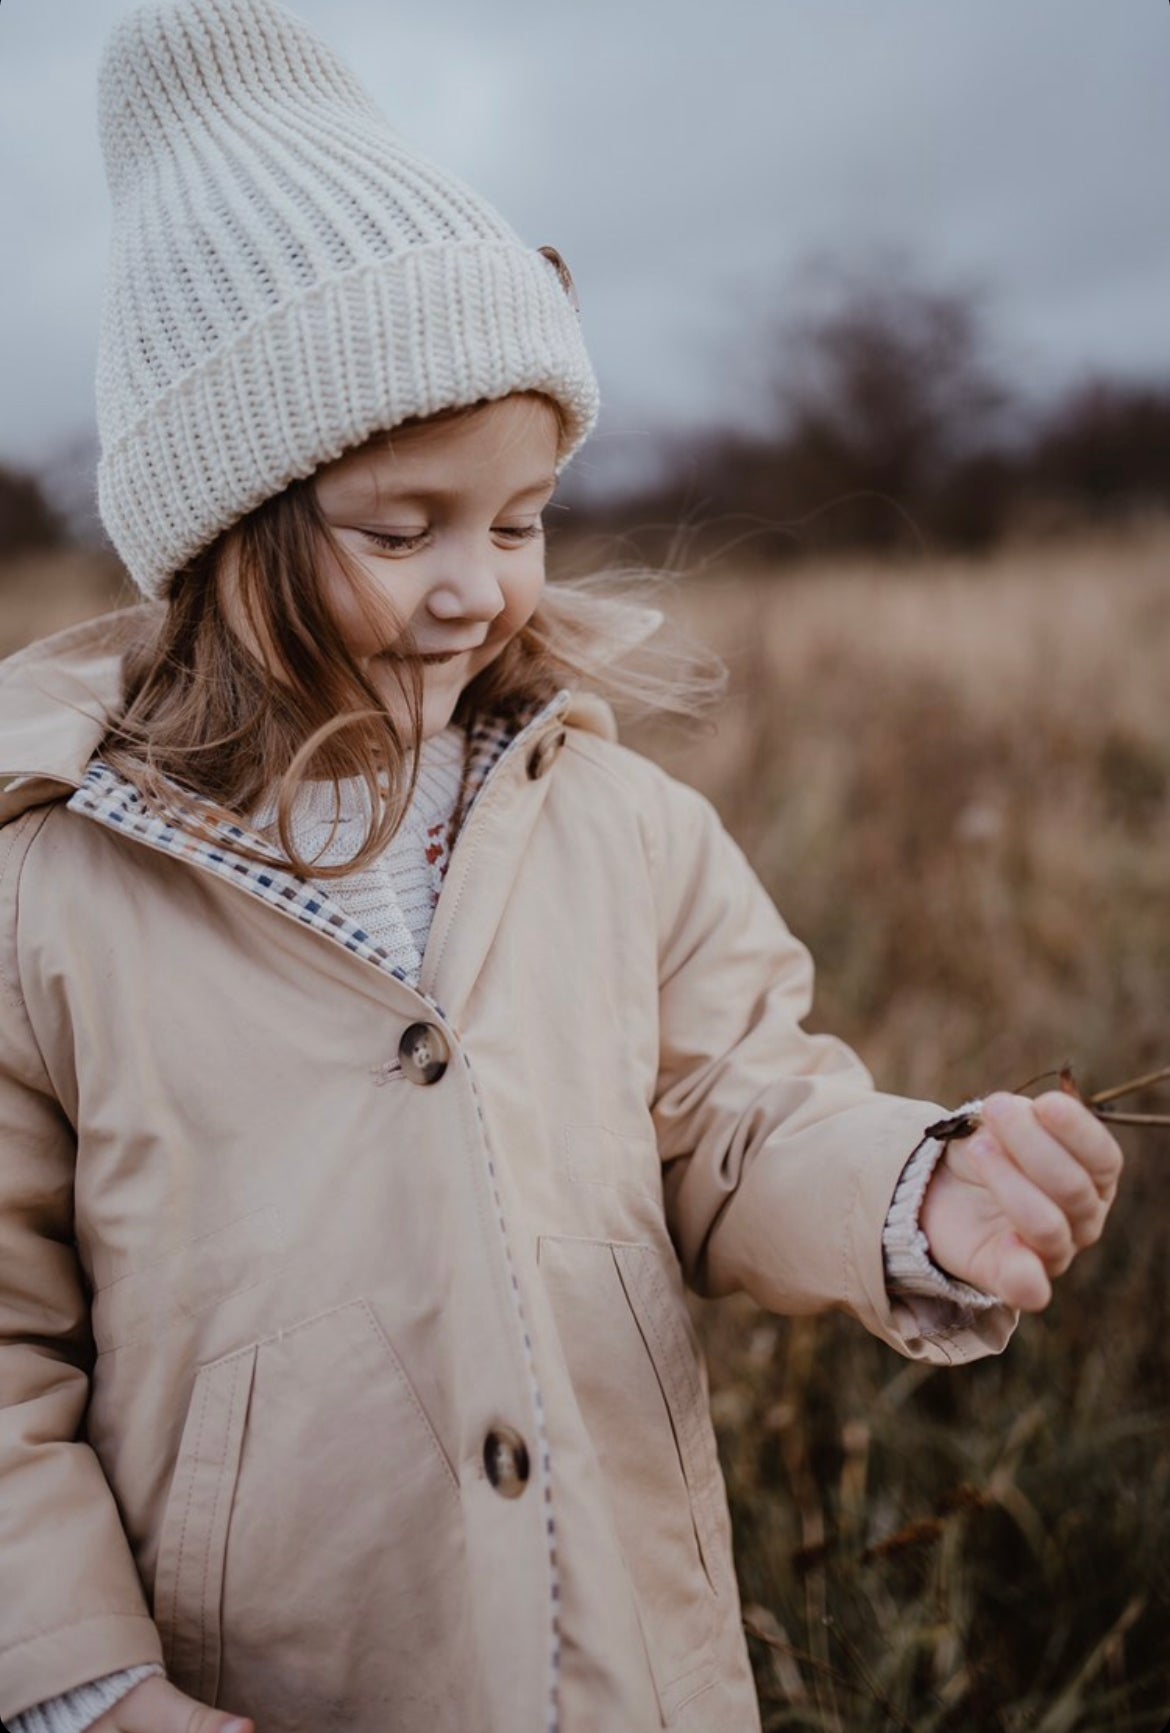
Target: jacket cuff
78, 1709
910, 1269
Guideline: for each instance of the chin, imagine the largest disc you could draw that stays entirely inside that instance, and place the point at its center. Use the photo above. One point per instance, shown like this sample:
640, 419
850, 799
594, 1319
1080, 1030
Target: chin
438, 706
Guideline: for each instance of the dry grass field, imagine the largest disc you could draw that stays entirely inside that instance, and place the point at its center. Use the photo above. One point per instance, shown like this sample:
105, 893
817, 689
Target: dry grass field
954, 780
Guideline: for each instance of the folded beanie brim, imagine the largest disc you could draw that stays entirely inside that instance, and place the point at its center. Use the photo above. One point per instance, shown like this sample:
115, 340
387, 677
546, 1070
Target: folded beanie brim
439, 326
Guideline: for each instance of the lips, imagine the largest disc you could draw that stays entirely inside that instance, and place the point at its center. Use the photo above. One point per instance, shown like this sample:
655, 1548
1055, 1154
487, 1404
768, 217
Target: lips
429, 656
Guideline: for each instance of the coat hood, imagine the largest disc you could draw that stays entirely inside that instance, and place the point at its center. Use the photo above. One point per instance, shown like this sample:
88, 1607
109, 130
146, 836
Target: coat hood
59, 695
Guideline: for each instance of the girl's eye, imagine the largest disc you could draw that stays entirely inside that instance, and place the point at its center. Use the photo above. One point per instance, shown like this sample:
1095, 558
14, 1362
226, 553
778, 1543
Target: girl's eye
520, 532
400, 543
395, 544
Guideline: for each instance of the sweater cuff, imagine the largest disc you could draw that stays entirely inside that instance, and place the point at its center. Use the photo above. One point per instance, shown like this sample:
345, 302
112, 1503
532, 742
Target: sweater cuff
911, 1272
78, 1709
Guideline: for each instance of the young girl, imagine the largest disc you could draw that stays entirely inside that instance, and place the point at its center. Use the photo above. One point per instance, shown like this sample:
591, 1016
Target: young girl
383, 1045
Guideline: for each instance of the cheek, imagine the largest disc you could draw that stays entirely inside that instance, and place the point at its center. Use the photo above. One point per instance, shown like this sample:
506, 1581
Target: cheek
523, 591
391, 603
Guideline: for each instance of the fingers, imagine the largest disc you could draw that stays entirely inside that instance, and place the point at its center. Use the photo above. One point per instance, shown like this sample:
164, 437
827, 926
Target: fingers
1044, 1174
156, 1706
1084, 1136
1071, 1160
1031, 1214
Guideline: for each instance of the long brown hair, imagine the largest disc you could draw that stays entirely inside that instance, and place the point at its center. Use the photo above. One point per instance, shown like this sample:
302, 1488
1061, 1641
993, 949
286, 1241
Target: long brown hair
204, 715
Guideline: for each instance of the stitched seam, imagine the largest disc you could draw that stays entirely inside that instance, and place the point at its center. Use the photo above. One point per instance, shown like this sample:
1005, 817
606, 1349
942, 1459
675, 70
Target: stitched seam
399, 1370
184, 1245
709, 1686
174, 1585
134, 1612
12, 866
513, 747
187, 1312
683, 1412
209, 1543
536, 1397
578, 1170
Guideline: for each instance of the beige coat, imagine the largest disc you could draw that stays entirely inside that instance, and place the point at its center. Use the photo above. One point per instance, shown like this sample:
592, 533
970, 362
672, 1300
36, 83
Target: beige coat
349, 1371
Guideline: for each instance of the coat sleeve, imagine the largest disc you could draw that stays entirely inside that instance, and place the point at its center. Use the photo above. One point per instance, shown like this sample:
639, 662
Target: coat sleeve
72, 1607
780, 1157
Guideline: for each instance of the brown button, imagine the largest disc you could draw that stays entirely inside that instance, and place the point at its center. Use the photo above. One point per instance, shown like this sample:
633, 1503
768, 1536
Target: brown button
544, 751
423, 1053
505, 1457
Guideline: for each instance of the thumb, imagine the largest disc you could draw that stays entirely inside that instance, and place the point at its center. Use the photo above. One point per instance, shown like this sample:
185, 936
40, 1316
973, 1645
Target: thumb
165, 1709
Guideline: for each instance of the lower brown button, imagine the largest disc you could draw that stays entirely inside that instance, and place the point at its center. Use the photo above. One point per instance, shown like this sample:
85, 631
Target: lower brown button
505, 1457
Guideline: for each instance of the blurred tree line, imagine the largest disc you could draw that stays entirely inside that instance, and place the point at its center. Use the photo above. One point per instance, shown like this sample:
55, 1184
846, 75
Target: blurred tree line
885, 426
28, 522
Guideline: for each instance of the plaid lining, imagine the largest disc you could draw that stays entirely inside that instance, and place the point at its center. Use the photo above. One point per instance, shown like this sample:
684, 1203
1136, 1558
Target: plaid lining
113, 801
116, 802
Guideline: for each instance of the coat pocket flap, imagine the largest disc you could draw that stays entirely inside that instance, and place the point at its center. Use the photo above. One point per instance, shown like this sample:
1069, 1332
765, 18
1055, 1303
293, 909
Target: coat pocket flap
675, 1357
193, 1542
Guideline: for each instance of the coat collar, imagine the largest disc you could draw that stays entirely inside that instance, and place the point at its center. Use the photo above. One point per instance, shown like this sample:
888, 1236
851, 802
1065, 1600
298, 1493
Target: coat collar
516, 781
59, 695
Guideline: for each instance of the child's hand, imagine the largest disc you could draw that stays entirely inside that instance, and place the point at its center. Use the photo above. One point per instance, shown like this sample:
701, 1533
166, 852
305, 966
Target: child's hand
1012, 1206
157, 1706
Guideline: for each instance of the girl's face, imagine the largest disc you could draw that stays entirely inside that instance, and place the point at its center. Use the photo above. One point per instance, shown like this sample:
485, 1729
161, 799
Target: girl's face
444, 522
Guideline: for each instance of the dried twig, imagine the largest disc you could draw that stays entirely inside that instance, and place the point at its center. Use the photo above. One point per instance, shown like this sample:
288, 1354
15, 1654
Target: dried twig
963, 1124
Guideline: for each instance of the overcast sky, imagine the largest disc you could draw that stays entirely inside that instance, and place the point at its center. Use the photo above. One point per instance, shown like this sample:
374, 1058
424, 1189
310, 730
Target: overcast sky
687, 159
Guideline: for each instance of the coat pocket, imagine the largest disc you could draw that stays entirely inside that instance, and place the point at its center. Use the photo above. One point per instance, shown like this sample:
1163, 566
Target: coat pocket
189, 1578
636, 1372
311, 1567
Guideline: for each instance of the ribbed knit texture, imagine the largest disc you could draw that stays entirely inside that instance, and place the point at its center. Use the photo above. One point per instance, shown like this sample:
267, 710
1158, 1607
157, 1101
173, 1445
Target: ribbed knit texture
76, 1710
910, 1269
286, 278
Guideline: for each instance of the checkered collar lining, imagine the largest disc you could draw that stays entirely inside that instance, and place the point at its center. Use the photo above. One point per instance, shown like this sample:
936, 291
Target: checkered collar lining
113, 800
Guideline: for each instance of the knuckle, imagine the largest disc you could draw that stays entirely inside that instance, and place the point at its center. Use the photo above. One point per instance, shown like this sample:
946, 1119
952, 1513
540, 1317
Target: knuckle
1079, 1197
1060, 1112
1053, 1238
1092, 1229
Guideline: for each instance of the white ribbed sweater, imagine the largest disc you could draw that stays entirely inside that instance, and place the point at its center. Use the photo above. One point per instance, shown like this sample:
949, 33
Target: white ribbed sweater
395, 897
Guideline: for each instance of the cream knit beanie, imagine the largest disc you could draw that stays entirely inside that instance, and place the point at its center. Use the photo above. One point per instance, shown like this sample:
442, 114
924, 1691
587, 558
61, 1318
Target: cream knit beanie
287, 278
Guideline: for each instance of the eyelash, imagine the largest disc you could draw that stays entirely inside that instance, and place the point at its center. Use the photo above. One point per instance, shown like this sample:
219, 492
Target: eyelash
520, 533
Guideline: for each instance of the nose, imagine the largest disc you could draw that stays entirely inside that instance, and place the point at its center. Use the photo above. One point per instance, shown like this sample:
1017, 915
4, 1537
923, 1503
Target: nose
469, 590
